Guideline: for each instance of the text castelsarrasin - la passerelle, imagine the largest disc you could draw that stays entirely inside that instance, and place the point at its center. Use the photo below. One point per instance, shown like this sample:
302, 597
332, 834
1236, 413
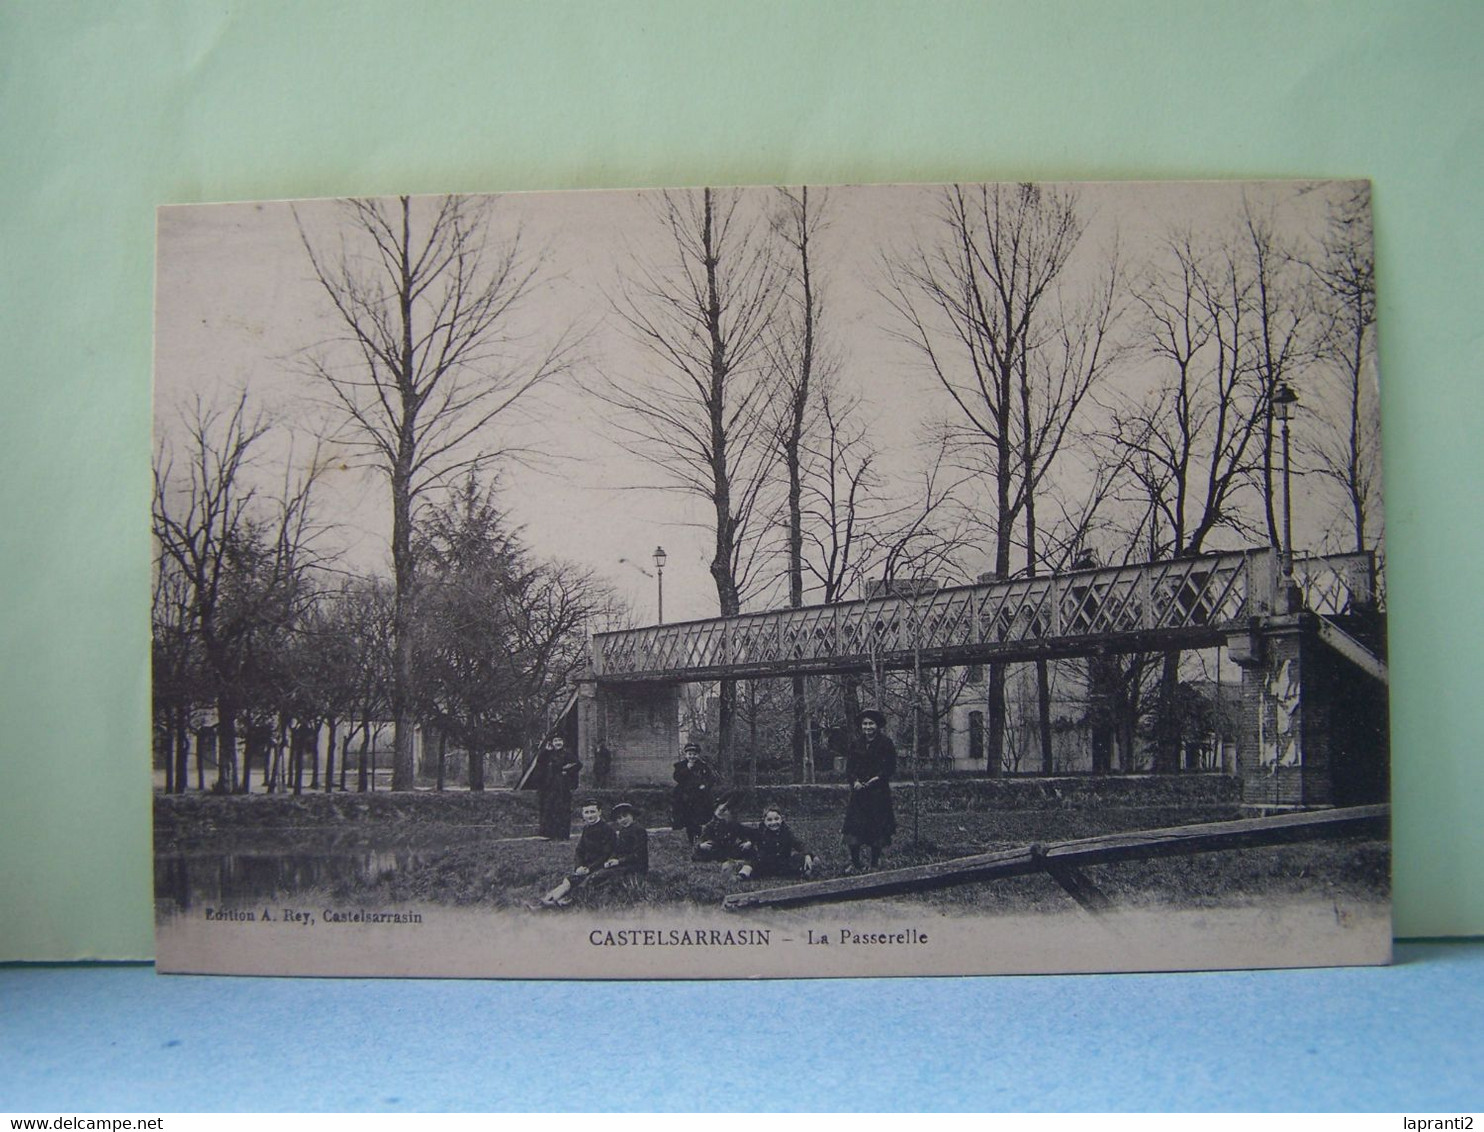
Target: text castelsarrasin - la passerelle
679, 937
741, 937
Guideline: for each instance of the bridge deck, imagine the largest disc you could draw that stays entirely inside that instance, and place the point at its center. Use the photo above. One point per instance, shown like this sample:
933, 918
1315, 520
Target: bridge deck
1179, 603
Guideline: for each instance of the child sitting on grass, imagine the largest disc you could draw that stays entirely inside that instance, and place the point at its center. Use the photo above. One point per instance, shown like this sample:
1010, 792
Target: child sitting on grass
610, 853
596, 844
724, 838
630, 850
778, 852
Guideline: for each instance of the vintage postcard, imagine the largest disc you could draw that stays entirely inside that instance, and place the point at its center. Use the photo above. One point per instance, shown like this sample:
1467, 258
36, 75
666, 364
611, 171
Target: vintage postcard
889, 580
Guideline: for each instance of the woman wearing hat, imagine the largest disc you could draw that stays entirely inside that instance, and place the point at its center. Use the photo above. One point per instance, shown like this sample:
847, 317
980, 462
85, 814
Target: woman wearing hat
557, 771
869, 818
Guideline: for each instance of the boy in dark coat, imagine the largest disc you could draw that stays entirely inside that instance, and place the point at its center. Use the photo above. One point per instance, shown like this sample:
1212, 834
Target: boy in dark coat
690, 801
869, 818
630, 849
597, 844
779, 852
723, 838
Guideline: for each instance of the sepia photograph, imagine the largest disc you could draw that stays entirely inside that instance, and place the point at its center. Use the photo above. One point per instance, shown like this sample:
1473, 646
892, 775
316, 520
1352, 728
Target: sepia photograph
770, 582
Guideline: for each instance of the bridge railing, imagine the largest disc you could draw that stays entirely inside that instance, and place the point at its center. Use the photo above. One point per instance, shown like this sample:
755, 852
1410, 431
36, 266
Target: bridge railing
1172, 603
1337, 583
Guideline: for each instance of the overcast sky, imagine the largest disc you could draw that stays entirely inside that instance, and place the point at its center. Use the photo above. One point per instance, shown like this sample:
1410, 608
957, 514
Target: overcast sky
237, 306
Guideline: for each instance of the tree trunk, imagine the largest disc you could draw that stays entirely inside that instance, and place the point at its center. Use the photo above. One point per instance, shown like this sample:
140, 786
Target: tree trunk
850, 701
257, 744
1043, 707
306, 742
442, 759
402, 658
294, 769
202, 742
1102, 710
994, 716
361, 770
795, 471
476, 770
181, 723
800, 729
164, 750
1167, 717
752, 728
314, 759
226, 744
261, 742
330, 754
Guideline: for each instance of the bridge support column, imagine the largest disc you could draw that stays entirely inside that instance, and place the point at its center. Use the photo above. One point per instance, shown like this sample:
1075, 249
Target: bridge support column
639, 723
1313, 727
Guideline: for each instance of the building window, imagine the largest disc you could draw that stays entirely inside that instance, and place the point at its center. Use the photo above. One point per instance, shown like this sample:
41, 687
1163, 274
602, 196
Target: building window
976, 674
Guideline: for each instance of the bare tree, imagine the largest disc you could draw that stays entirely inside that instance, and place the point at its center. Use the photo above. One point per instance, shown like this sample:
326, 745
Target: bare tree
1195, 439
355, 664
431, 358
239, 562
176, 667
802, 376
843, 513
701, 417
1347, 447
984, 309
1281, 314
200, 511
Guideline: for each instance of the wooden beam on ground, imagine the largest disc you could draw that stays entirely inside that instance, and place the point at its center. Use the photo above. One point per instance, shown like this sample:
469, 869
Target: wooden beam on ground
1108, 848
1075, 884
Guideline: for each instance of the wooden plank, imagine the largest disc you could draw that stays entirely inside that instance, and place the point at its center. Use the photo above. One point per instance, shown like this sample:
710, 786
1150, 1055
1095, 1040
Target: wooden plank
1075, 884
1105, 849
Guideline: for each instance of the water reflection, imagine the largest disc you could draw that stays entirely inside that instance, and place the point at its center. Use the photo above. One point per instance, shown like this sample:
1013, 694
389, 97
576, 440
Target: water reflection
183, 881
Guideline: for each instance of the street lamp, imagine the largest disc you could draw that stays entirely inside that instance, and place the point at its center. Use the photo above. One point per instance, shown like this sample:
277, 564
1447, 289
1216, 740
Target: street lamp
1284, 399
659, 575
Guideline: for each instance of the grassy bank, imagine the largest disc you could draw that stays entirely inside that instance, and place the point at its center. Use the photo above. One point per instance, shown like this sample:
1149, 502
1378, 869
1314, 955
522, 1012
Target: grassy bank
184, 818
494, 864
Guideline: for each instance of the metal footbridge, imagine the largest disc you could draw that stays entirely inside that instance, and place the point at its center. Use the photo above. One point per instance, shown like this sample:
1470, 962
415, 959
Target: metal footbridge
1176, 603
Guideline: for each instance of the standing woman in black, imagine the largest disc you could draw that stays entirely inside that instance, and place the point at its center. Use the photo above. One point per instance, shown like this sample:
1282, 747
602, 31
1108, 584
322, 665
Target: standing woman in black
869, 818
557, 771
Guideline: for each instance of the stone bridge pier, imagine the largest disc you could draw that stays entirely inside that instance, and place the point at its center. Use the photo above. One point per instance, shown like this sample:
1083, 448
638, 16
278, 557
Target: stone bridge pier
1314, 719
638, 723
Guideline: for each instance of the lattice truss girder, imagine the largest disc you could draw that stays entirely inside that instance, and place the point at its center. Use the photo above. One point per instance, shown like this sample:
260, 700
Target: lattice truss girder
1179, 602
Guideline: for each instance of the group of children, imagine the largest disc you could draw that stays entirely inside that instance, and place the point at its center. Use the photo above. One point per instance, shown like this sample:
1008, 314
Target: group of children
769, 849
606, 852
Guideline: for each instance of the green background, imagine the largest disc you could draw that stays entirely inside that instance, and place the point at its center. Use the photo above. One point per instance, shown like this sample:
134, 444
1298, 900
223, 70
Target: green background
109, 109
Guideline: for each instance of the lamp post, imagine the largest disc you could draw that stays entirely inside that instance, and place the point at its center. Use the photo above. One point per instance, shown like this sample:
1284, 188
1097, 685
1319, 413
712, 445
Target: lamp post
659, 575
1284, 399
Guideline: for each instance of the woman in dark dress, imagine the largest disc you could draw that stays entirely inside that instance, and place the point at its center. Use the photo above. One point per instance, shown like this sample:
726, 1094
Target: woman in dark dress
556, 777
869, 818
